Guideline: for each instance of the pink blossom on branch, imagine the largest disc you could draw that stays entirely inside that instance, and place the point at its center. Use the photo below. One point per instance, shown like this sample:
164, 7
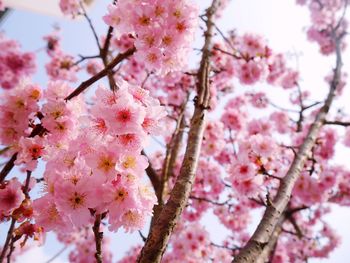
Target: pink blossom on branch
163, 30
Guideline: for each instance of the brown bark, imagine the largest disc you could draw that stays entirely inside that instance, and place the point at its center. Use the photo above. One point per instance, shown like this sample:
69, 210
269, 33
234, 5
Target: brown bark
170, 213
268, 251
274, 211
98, 238
173, 150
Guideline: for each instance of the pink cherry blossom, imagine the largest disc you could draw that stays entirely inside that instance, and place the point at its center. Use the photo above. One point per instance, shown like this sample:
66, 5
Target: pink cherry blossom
11, 196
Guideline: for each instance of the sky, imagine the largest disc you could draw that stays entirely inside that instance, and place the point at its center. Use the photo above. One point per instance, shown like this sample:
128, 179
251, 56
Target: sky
281, 22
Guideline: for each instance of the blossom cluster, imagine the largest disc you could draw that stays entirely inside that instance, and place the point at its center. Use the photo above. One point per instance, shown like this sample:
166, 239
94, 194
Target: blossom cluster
250, 59
104, 151
326, 16
82, 149
18, 112
70, 7
61, 66
14, 64
163, 30
83, 241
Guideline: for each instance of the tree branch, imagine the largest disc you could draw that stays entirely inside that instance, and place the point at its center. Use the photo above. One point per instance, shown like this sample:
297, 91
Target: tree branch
273, 212
85, 84
170, 213
173, 148
340, 123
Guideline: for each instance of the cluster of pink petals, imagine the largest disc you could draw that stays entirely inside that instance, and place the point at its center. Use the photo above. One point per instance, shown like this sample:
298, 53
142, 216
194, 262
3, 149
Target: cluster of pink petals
190, 243
61, 118
325, 15
321, 241
70, 7
249, 58
62, 67
104, 150
14, 64
163, 30
132, 255
84, 250
310, 190
53, 42
255, 157
11, 196
213, 141
208, 186
29, 150
18, 109
93, 66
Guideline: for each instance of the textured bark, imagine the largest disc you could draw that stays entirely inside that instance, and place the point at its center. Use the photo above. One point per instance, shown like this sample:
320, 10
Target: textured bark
173, 149
170, 213
268, 251
274, 211
98, 238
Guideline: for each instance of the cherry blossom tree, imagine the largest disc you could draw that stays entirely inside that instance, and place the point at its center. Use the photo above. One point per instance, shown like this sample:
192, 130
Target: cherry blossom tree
225, 148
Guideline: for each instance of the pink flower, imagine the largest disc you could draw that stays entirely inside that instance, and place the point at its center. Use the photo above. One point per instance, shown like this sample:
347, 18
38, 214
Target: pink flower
74, 200
233, 119
11, 196
252, 46
103, 161
30, 149
251, 72
47, 216
281, 121
290, 79
243, 171
124, 117
263, 146
62, 67
163, 30
131, 163
14, 65
70, 7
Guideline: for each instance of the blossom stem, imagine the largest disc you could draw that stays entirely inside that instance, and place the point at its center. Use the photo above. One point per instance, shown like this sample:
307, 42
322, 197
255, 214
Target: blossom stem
98, 238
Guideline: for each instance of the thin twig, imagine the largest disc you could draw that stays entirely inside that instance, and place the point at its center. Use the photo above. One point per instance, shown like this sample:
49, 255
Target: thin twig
91, 25
57, 254
340, 123
85, 84
83, 58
